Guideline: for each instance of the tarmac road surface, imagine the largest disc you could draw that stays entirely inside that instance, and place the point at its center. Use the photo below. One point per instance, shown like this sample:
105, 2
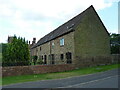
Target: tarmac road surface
107, 79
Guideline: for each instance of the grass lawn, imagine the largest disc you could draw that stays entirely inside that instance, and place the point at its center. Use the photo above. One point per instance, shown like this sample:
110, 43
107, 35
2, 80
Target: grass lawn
57, 75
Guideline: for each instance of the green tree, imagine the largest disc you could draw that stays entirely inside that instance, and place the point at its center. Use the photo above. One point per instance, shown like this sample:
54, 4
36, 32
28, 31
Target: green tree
0, 47
115, 43
17, 53
4, 52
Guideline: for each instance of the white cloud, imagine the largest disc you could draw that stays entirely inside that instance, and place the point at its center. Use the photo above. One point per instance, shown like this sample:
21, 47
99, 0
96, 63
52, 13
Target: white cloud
35, 18
5, 10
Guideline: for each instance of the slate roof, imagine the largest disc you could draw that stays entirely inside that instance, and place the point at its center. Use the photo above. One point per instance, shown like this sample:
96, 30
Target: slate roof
63, 29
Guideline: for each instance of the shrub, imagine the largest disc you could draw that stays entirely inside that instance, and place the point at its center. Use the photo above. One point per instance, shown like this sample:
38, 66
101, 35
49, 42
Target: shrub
40, 61
35, 59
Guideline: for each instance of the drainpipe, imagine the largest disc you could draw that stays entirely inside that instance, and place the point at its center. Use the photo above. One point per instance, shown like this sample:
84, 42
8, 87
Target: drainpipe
50, 53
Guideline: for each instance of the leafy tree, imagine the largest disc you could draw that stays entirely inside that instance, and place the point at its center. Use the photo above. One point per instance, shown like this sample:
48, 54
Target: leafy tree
115, 43
0, 54
0, 47
16, 53
4, 52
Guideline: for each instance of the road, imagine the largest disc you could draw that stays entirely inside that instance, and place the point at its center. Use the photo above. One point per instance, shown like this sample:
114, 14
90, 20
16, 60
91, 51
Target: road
107, 79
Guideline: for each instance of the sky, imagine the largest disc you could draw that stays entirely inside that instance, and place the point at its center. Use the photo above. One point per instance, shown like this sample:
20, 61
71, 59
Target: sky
36, 18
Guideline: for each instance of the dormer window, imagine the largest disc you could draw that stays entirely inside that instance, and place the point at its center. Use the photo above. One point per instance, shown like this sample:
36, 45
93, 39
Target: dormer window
62, 42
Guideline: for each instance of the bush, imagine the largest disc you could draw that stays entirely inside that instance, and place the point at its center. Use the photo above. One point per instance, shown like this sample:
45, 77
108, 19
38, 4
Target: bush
35, 59
40, 61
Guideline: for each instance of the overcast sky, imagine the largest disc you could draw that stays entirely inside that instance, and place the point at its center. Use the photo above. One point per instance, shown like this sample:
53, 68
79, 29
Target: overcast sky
36, 18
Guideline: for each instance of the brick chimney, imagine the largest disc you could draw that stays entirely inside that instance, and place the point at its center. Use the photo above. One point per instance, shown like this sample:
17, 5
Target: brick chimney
29, 42
34, 41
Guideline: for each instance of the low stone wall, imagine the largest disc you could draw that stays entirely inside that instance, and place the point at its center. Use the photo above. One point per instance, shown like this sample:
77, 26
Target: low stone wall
92, 61
97, 61
38, 69
115, 58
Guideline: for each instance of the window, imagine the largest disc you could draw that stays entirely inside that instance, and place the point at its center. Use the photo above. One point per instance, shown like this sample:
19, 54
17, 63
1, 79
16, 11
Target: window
45, 59
52, 55
69, 57
53, 58
42, 57
49, 57
62, 56
62, 42
53, 44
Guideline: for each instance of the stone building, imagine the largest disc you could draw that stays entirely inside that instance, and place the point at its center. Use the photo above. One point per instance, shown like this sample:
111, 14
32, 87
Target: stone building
30, 45
33, 43
10, 39
82, 41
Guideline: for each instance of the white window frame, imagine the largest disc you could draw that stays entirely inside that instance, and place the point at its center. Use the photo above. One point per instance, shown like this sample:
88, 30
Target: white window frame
62, 42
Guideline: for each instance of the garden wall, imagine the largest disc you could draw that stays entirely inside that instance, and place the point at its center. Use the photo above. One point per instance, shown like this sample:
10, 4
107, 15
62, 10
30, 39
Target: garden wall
115, 58
38, 69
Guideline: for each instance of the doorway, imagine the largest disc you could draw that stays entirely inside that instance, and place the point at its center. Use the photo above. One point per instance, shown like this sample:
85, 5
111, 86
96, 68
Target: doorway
69, 57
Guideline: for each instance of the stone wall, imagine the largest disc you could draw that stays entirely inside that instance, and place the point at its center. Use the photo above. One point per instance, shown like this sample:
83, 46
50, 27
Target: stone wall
93, 61
91, 37
97, 60
53, 47
38, 69
92, 42
115, 58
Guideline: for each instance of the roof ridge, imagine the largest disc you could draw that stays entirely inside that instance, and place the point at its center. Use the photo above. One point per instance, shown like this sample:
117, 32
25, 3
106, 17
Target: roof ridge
74, 17
73, 20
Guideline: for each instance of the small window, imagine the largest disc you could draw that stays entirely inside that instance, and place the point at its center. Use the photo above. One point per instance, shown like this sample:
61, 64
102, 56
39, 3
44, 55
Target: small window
42, 57
40, 48
45, 59
53, 58
62, 42
53, 44
62, 56
49, 57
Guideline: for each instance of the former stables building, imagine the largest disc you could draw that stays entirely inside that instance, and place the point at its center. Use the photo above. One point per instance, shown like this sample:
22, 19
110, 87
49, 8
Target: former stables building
82, 41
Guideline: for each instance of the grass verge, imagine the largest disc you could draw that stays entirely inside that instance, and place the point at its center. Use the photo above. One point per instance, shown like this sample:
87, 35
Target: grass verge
57, 75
